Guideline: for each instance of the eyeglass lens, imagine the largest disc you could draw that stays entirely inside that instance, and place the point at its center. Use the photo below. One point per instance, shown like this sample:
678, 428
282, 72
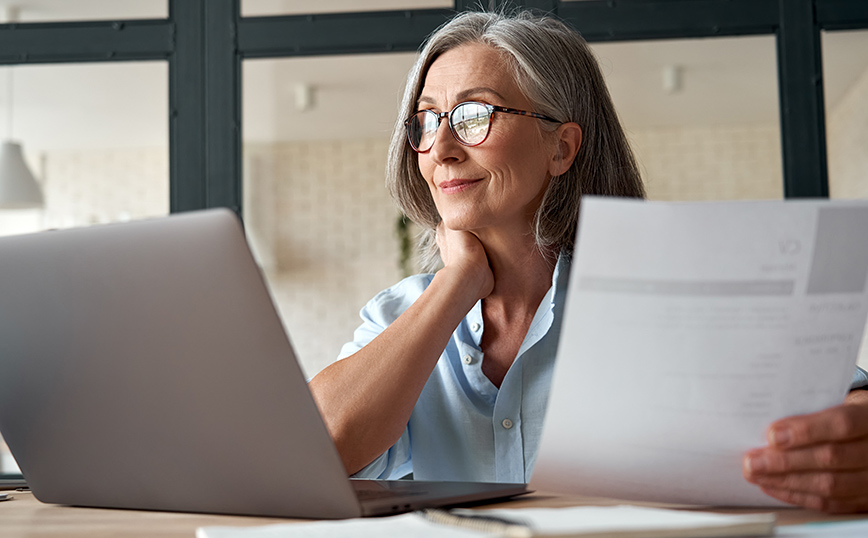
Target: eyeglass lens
469, 122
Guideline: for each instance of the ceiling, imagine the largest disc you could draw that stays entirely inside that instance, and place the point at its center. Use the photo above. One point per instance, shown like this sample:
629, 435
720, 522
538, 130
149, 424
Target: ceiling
724, 81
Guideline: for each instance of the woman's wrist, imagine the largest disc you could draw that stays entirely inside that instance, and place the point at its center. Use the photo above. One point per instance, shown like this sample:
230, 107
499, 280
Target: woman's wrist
465, 284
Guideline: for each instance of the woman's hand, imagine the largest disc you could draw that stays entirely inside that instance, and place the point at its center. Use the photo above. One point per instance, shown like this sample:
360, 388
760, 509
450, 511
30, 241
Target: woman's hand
463, 253
819, 461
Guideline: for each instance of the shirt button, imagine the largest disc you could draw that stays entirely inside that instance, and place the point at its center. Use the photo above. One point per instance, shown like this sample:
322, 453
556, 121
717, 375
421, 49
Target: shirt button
507, 423
467, 359
475, 327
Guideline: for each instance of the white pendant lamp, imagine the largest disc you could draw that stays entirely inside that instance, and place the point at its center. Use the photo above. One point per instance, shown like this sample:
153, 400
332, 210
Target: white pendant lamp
18, 187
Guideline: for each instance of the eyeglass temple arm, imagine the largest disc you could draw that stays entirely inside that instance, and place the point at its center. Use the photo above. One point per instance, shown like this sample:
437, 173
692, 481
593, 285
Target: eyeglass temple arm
523, 113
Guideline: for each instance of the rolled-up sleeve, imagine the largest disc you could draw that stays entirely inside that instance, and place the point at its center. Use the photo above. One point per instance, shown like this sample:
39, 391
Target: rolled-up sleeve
860, 379
392, 464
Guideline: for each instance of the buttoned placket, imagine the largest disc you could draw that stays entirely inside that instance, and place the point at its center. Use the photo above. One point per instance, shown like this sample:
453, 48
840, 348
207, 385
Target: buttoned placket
506, 419
506, 422
471, 355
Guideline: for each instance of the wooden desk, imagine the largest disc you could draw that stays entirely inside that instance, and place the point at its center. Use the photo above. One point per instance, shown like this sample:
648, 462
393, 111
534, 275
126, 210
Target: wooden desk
25, 517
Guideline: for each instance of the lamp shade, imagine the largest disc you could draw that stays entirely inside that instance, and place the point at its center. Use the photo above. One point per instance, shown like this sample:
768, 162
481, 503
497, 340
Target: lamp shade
18, 187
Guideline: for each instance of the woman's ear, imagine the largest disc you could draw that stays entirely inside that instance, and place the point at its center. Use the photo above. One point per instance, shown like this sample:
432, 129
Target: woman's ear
569, 140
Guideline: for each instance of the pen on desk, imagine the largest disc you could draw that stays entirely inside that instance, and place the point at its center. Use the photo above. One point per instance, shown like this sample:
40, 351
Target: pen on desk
507, 528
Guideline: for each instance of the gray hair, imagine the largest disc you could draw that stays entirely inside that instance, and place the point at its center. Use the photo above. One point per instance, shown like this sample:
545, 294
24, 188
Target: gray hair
556, 70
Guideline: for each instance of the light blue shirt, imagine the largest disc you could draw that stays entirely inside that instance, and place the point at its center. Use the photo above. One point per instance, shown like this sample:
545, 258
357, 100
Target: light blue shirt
463, 427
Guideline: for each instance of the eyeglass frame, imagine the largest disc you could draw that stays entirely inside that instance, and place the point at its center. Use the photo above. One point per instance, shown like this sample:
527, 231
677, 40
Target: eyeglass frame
491, 110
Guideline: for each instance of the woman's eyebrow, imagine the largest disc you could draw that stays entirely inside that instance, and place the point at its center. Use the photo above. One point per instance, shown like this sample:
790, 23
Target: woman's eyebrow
463, 94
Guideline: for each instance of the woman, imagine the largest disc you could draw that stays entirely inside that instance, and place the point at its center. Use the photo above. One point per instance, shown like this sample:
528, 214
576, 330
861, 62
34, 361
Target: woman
508, 123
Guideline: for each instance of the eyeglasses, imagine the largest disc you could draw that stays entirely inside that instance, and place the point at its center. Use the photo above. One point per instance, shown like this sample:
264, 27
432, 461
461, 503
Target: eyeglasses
469, 122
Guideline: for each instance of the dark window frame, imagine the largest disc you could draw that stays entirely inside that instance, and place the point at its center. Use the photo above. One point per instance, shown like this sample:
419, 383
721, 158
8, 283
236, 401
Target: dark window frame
205, 41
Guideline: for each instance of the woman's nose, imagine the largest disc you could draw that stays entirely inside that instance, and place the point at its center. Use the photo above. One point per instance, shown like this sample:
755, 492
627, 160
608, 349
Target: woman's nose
445, 148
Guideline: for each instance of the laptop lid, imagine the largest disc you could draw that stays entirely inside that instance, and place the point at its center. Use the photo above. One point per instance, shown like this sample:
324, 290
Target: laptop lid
143, 365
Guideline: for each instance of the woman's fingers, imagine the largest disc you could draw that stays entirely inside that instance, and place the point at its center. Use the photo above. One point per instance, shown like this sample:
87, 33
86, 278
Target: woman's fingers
462, 251
819, 461
840, 423
841, 456
820, 503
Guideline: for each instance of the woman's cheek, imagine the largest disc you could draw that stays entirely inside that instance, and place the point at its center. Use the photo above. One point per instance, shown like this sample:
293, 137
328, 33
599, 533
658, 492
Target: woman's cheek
427, 171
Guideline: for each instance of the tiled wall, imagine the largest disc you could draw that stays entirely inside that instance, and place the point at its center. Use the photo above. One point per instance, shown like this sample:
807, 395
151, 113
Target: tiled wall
847, 143
83, 187
98, 186
710, 163
322, 220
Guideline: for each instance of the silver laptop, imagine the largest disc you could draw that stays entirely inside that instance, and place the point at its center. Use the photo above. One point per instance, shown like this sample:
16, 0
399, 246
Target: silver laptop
143, 365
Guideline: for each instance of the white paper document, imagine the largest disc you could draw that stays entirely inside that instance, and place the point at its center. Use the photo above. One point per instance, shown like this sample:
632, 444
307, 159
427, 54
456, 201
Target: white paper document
689, 328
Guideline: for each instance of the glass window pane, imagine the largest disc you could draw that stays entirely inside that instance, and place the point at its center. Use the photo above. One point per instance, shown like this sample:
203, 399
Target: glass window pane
95, 136
317, 212
702, 115
260, 8
845, 85
90, 10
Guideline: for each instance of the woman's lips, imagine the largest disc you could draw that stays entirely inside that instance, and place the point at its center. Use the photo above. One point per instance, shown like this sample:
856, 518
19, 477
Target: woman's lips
457, 185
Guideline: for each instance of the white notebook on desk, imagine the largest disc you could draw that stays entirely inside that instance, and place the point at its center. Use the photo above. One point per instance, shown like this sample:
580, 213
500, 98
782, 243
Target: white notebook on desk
578, 522
689, 328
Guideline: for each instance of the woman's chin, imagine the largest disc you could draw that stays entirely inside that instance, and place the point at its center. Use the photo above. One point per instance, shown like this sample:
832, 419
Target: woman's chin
459, 225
